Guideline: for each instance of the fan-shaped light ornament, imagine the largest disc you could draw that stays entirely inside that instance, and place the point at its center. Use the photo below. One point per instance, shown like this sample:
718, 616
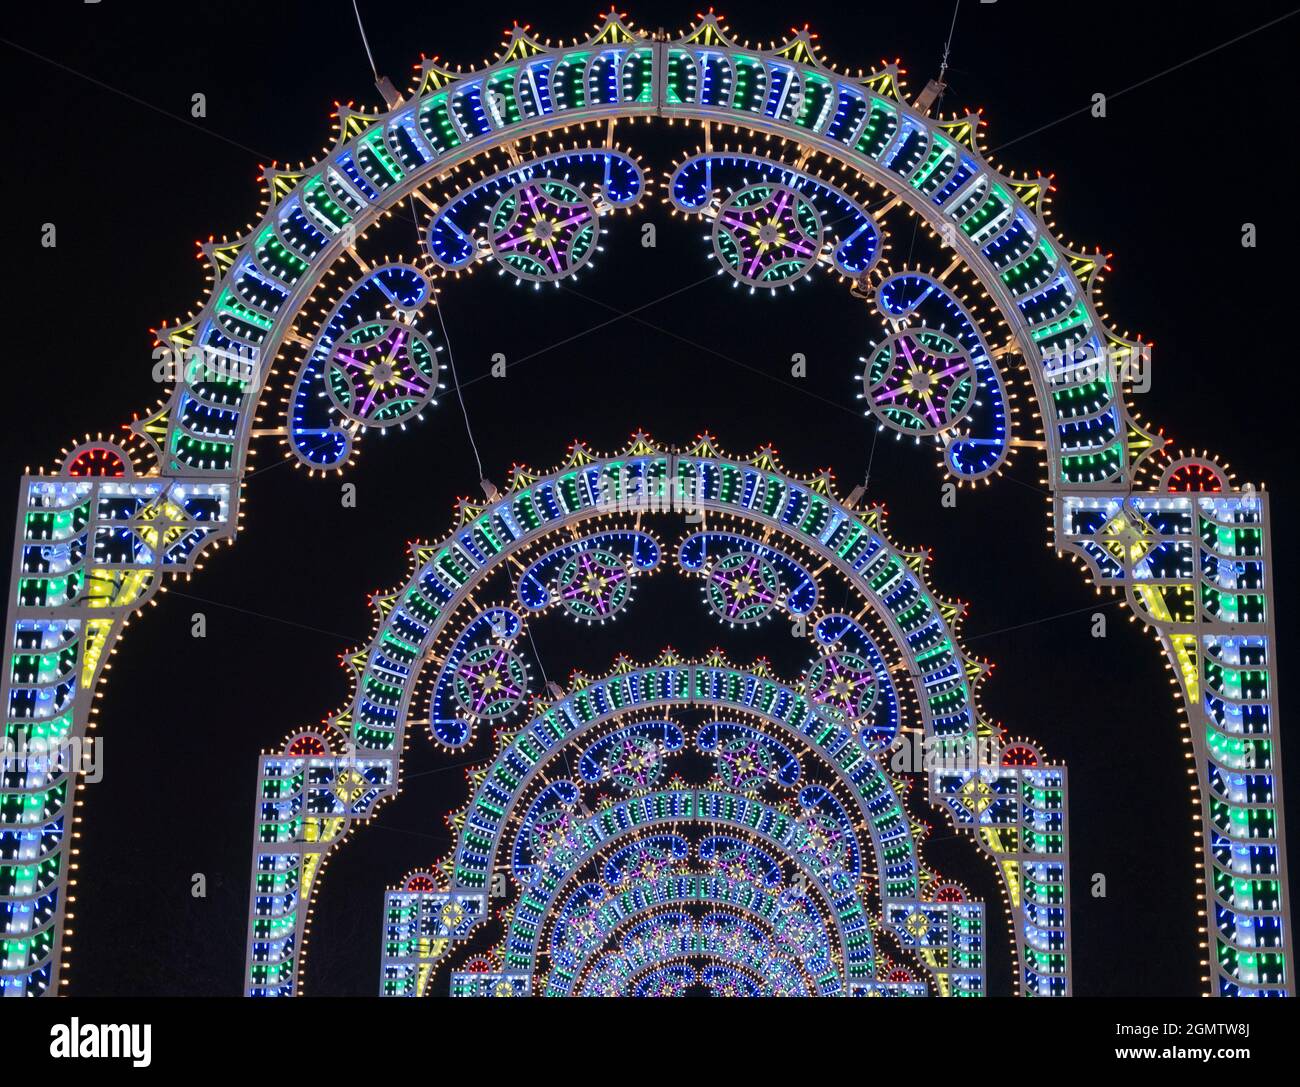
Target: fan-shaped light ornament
1189, 475
97, 459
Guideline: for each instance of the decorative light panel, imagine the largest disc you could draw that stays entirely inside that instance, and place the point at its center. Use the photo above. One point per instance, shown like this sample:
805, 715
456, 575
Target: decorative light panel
795, 864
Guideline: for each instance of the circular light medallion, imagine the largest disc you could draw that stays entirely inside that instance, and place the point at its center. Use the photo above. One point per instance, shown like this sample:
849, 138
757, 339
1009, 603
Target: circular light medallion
632, 763
743, 588
490, 681
767, 235
593, 586
381, 373
744, 764
920, 382
544, 230
841, 686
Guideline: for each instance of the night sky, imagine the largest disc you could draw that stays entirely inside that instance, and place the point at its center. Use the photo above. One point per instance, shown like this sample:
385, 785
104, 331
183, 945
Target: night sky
1165, 182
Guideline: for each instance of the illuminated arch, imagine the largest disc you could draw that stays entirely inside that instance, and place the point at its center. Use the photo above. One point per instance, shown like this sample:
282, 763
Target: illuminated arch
996, 223
729, 940
758, 904
447, 621
99, 535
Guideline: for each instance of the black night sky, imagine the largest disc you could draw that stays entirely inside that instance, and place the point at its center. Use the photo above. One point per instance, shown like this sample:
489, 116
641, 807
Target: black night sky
102, 144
